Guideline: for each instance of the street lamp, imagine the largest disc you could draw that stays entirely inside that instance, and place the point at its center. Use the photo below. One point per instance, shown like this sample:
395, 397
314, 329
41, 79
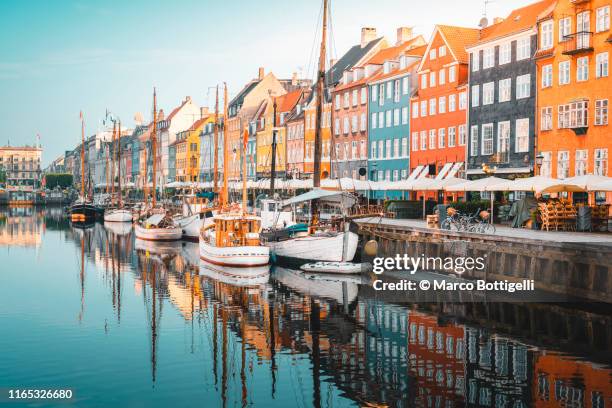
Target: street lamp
539, 159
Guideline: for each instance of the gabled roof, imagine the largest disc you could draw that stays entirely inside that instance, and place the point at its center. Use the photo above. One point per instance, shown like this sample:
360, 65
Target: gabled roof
394, 52
286, 102
178, 108
348, 60
238, 99
200, 122
521, 19
458, 38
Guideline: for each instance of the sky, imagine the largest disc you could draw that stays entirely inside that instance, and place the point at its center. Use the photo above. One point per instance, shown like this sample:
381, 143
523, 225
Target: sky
60, 57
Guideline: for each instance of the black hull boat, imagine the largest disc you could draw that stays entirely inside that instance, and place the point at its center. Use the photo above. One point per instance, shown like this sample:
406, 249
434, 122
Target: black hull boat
82, 212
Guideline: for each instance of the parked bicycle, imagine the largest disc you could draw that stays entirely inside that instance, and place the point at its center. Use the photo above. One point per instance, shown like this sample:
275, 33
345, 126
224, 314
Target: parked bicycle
477, 222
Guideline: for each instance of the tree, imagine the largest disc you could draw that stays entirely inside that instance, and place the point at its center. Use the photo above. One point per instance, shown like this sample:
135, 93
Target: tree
63, 180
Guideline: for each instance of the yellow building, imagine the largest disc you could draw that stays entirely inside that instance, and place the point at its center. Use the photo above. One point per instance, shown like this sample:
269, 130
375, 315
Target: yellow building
20, 166
187, 147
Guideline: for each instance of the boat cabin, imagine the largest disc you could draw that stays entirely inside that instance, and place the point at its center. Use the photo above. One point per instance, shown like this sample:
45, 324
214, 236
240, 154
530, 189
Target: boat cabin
237, 230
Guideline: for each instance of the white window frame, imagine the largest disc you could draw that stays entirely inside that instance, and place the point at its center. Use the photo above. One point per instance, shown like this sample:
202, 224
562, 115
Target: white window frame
582, 69
488, 57
452, 136
521, 141
452, 74
523, 86
601, 112
487, 139
505, 90
602, 65
452, 102
547, 76
441, 138
442, 104
547, 29
475, 63
488, 93
546, 118
462, 137
475, 95
564, 72
600, 165
474, 140
433, 139
523, 48
505, 53
602, 18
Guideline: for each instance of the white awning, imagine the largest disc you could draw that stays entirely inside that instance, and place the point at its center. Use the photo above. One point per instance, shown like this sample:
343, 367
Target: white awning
324, 195
444, 170
415, 173
454, 170
476, 185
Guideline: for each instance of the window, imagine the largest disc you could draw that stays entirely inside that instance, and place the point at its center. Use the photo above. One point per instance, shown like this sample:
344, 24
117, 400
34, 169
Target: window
381, 95
355, 97
442, 76
487, 139
601, 65
346, 125
373, 150
337, 127
573, 115
474, 140
581, 162
396, 117
601, 112
488, 57
523, 48
452, 137
337, 101
583, 29
381, 152
405, 85
523, 85
354, 150
462, 101
546, 169
388, 153
462, 134
582, 69
442, 51
396, 152
432, 79
388, 118
505, 53
405, 115
374, 117
505, 90
546, 118
415, 141
432, 138
404, 174
354, 127
441, 138
546, 35
363, 122
442, 104
364, 95
475, 95
423, 81
346, 99
395, 175
522, 136
452, 73
432, 54
503, 137
602, 15
380, 176
374, 92
488, 93
396, 91
547, 76
452, 103
432, 106
381, 120
389, 89
362, 149
601, 162
404, 147
564, 73
562, 164
415, 110
423, 108
475, 61
565, 28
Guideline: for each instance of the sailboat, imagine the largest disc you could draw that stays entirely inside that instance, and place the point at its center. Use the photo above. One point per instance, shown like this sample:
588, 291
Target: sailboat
317, 243
83, 210
233, 237
158, 224
119, 214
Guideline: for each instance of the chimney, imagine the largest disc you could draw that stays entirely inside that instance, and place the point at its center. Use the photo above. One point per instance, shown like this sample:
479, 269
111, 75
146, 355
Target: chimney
367, 34
294, 79
497, 20
187, 99
260, 75
403, 34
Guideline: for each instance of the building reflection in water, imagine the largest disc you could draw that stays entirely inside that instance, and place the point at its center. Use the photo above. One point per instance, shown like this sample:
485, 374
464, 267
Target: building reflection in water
369, 350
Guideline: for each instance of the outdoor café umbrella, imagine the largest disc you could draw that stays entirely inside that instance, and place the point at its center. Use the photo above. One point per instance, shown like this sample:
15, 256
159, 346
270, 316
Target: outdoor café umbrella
535, 184
481, 185
588, 181
603, 186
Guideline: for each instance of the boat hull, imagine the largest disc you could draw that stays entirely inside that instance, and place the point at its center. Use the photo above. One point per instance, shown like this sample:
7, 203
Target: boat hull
87, 211
158, 234
241, 256
118, 215
191, 226
301, 250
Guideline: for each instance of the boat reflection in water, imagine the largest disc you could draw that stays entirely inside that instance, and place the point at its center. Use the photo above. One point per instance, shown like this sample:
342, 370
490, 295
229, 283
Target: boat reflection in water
152, 319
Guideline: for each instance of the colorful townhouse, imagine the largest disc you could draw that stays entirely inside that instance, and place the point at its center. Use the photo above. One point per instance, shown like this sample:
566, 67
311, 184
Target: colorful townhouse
309, 137
295, 142
207, 150
187, 146
350, 109
503, 95
281, 105
390, 90
573, 79
438, 115
244, 107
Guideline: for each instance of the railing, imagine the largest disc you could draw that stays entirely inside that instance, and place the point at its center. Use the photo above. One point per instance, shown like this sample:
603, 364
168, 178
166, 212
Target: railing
577, 43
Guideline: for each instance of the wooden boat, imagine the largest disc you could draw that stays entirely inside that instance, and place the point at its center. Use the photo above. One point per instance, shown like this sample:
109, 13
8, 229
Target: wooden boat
332, 267
119, 214
158, 227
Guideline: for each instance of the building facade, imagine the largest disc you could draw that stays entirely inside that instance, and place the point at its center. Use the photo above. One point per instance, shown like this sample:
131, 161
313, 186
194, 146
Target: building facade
573, 134
20, 167
295, 143
503, 95
207, 151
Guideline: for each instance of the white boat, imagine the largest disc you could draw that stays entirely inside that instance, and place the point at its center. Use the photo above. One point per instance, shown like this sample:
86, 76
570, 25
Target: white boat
251, 276
332, 267
158, 227
233, 240
118, 215
192, 224
321, 246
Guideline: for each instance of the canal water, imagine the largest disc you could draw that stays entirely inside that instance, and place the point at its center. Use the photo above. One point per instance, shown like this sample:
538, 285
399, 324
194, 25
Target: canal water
126, 323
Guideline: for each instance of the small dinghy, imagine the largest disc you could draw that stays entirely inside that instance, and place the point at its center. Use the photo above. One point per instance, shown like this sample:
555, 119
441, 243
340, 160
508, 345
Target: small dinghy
332, 267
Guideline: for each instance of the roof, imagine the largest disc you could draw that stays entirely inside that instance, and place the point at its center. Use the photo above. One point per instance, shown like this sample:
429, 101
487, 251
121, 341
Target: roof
393, 52
200, 122
178, 108
286, 102
348, 60
238, 99
458, 38
413, 52
521, 19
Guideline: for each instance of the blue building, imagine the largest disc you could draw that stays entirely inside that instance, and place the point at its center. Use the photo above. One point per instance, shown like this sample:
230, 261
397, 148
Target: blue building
390, 90
207, 152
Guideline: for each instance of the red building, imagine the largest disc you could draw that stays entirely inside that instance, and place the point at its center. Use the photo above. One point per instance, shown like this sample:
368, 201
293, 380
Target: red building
438, 121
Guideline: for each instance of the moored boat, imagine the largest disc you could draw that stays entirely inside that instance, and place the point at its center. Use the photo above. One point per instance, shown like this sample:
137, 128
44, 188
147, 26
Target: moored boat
118, 215
158, 227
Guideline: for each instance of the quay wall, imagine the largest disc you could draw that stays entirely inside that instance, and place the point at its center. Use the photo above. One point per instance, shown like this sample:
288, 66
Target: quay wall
576, 270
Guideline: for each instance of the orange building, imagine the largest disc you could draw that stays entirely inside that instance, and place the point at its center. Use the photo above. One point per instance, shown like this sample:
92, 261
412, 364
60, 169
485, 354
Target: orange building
309, 138
439, 108
573, 81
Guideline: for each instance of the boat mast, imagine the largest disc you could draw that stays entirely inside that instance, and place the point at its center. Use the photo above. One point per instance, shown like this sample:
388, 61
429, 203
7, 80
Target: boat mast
154, 146
224, 191
245, 140
113, 163
82, 157
216, 145
119, 161
319, 103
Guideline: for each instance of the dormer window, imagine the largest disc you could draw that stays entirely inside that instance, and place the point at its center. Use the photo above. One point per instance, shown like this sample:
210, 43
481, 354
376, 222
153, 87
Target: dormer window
402, 62
386, 67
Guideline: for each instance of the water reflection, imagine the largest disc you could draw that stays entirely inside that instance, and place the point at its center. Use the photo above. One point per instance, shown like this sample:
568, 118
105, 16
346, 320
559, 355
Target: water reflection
283, 337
